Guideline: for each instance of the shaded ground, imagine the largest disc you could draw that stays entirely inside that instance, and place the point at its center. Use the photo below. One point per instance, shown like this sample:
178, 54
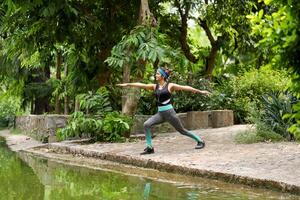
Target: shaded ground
272, 165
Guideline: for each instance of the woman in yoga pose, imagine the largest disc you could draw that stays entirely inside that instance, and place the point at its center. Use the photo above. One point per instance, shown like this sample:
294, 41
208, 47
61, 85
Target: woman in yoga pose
166, 112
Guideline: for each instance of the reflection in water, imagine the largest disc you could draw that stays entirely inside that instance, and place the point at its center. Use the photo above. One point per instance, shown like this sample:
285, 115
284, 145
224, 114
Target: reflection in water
43, 179
147, 191
192, 195
17, 179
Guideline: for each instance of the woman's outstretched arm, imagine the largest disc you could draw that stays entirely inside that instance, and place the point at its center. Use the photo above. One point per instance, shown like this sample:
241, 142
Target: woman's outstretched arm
138, 85
176, 87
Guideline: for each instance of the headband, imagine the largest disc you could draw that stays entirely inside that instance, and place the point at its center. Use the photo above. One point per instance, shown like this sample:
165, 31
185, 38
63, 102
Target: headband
163, 73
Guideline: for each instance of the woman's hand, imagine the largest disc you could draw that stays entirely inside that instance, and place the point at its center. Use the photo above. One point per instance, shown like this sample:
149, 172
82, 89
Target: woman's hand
137, 85
176, 87
205, 92
122, 85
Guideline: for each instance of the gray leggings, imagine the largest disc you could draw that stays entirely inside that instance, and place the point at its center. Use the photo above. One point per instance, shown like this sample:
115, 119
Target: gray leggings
170, 117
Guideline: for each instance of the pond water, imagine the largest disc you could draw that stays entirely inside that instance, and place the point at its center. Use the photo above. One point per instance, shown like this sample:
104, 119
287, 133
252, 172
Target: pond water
36, 178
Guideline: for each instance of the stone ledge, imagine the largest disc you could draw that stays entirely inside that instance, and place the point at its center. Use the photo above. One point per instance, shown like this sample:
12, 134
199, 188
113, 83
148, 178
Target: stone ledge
221, 118
191, 120
43, 127
172, 168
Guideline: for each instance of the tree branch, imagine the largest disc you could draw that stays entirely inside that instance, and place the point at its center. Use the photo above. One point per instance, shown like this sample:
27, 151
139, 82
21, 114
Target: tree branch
203, 24
183, 32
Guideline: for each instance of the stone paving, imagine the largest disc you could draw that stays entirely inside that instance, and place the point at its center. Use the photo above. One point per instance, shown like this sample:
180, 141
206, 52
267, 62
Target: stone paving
271, 165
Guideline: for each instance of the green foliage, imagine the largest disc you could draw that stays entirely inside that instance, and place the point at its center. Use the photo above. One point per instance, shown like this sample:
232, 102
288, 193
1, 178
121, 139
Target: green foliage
115, 126
240, 92
294, 117
95, 103
88, 123
261, 134
147, 103
227, 28
269, 120
112, 127
274, 106
98, 121
86, 30
9, 106
248, 137
79, 125
187, 101
140, 44
278, 26
16, 131
143, 43
36, 90
263, 130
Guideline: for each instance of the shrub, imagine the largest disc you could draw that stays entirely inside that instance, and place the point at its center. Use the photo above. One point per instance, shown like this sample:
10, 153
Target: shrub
97, 121
269, 120
240, 92
116, 126
113, 127
274, 106
147, 103
8, 108
79, 125
95, 103
262, 133
182, 101
187, 101
248, 137
295, 117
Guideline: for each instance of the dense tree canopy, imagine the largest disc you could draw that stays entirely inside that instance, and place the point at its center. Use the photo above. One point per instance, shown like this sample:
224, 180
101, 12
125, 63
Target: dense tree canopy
52, 51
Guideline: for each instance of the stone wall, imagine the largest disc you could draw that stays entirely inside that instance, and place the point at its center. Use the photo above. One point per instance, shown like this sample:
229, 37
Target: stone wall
43, 127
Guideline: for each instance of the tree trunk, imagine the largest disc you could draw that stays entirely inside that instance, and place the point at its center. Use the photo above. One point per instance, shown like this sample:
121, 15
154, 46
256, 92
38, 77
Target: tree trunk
66, 98
130, 102
211, 60
144, 13
41, 103
126, 79
105, 72
184, 13
215, 46
58, 77
32, 105
77, 105
132, 94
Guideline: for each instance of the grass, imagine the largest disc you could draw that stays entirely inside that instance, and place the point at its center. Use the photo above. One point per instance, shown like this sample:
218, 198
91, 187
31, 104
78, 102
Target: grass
247, 137
258, 135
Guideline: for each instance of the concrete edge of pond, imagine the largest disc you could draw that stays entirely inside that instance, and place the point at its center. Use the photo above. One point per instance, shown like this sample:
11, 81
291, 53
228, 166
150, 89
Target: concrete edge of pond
131, 170
170, 168
181, 180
